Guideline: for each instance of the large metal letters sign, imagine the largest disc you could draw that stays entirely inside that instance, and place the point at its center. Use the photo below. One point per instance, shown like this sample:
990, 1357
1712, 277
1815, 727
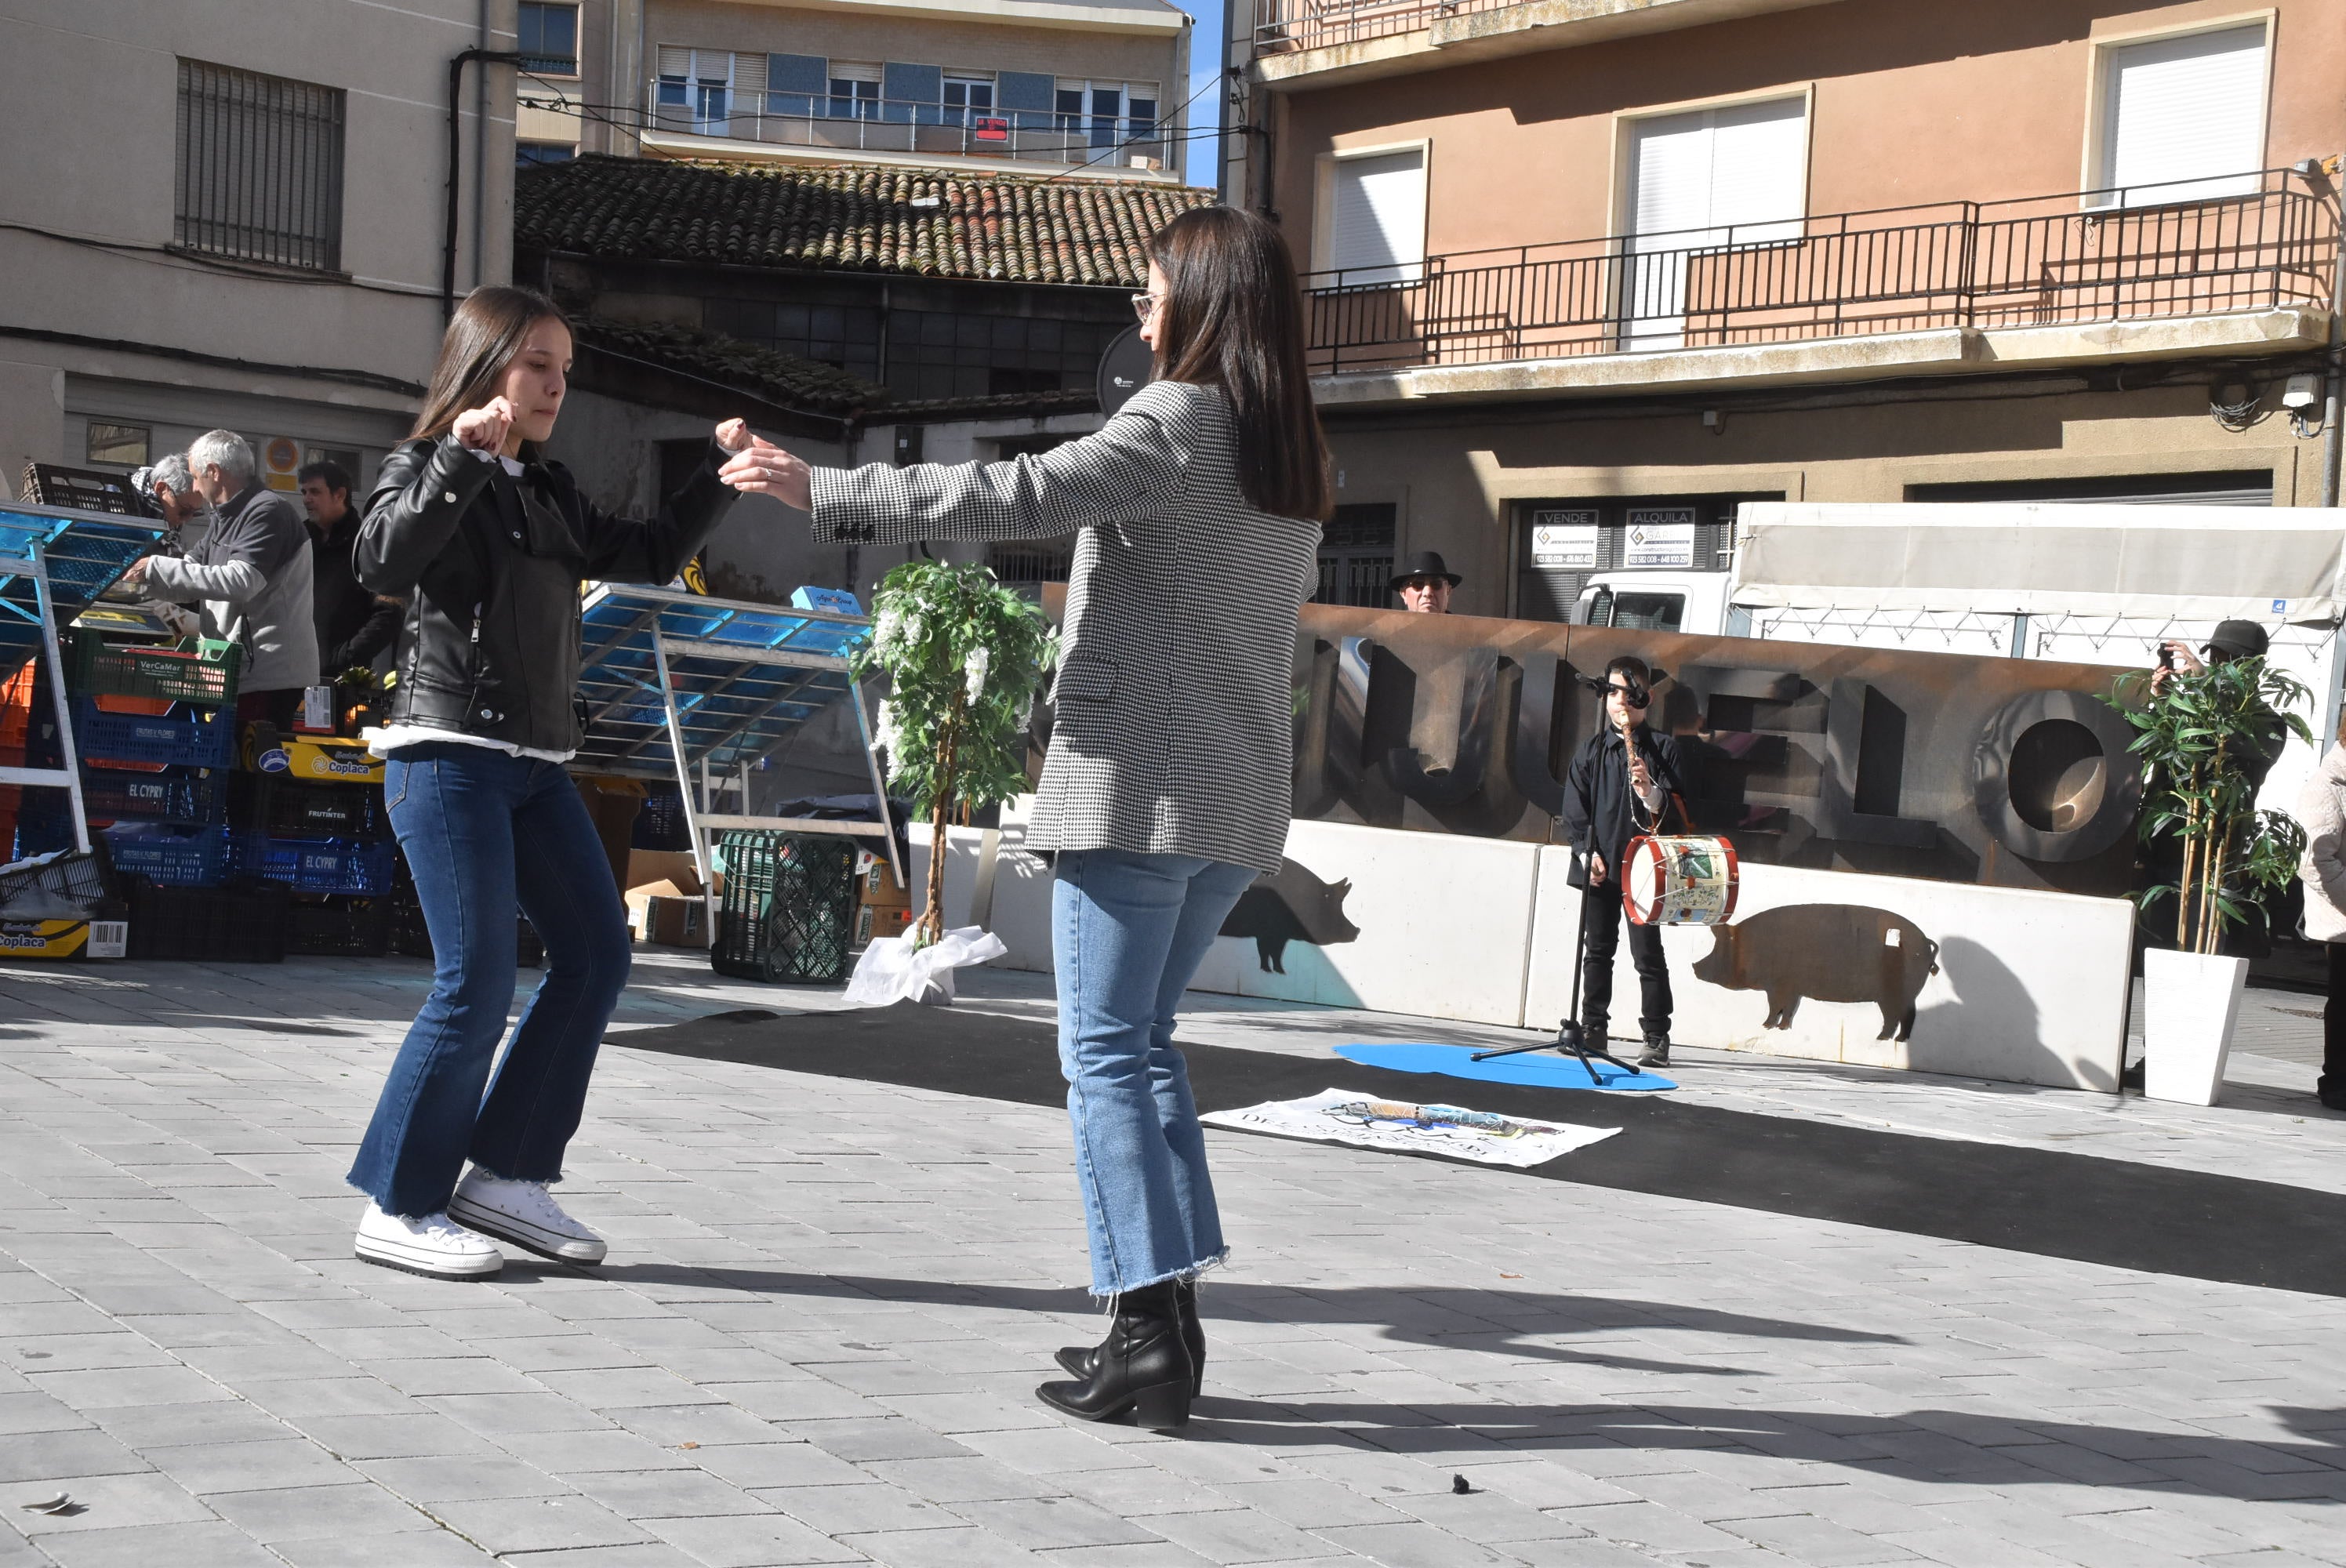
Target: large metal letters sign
2004, 771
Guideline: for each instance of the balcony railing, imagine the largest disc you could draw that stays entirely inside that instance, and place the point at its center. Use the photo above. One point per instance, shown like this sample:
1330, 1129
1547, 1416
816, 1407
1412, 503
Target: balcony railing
1284, 27
891, 125
2254, 241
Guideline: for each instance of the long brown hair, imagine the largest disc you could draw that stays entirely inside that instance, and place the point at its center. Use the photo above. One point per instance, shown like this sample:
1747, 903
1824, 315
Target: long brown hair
481, 339
1233, 318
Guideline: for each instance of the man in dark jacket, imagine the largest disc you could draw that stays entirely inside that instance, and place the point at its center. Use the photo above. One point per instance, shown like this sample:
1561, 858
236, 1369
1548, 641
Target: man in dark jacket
1618, 786
353, 626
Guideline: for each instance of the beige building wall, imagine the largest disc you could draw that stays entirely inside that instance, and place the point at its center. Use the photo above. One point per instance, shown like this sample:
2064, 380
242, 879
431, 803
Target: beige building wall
89, 100
1910, 103
1454, 478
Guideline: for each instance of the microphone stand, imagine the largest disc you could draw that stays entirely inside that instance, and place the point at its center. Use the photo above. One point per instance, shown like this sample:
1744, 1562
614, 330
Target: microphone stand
1571, 1039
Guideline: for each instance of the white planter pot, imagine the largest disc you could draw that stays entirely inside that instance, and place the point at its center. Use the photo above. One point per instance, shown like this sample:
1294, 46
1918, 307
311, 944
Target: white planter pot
2188, 1005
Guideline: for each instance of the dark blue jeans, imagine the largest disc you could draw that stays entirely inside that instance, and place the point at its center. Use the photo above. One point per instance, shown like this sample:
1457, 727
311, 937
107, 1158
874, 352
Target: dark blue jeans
485, 833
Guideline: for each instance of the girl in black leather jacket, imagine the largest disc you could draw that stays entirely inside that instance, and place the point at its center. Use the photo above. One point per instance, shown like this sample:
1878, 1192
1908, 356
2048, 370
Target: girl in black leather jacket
488, 542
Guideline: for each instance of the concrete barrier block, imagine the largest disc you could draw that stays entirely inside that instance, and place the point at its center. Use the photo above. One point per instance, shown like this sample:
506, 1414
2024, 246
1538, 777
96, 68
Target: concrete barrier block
2013, 984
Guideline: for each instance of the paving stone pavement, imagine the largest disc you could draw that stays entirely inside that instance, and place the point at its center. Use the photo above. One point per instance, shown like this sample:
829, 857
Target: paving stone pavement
828, 1302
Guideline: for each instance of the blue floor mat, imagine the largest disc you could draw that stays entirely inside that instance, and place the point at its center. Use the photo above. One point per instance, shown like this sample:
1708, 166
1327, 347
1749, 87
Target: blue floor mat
1540, 1069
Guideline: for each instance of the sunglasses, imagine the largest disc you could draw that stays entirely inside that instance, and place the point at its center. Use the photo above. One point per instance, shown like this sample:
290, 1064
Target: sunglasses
1144, 305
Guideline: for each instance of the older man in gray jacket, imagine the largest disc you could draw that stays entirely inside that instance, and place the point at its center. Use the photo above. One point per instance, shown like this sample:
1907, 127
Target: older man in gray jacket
251, 575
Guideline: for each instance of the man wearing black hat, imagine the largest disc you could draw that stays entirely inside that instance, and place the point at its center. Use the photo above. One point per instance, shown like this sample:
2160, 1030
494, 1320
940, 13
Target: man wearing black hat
1425, 586
2230, 640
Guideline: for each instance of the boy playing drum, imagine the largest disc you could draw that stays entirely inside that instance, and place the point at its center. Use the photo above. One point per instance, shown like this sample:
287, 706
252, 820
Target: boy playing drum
1620, 783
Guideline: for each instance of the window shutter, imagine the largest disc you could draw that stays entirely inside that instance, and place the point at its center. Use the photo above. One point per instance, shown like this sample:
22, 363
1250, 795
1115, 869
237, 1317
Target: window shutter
1758, 167
674, 62
1670, 174
797, 73
912, 83
1745, 165
1025, 89
750, 77
2185, 109
1376, 230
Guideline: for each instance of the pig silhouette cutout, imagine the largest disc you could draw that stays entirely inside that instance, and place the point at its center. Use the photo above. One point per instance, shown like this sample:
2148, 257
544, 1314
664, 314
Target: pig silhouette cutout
1293, 906
1824, 953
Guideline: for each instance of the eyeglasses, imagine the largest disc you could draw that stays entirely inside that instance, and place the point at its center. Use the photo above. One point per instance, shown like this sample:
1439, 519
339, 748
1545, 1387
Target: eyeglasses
1144, 305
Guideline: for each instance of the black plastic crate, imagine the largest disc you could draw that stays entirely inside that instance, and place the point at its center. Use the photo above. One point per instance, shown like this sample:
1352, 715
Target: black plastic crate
336, 926
282, 808
659, 823
240, 924
788, 913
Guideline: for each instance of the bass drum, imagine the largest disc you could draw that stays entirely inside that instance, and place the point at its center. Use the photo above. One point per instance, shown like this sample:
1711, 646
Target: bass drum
1679, 880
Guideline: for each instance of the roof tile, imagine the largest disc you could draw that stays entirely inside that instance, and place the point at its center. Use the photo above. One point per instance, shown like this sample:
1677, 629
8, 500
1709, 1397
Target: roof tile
1012, 227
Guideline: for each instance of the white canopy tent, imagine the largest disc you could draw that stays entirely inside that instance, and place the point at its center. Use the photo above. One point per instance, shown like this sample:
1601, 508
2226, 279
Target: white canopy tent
2179, 563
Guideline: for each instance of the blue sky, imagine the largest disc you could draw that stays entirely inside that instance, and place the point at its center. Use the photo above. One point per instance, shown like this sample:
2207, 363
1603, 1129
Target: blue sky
1205, 60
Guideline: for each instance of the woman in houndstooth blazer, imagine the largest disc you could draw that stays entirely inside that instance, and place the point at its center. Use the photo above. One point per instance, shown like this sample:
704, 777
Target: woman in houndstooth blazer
1165, 791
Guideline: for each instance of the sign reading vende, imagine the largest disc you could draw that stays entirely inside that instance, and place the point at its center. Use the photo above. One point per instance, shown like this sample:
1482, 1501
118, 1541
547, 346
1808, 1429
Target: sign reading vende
1564, 541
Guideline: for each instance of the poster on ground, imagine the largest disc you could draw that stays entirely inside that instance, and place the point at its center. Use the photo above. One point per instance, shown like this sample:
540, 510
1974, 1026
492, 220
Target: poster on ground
1368, 1122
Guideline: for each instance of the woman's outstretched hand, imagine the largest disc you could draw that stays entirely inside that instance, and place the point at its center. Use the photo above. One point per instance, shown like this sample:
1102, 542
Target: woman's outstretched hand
758, 467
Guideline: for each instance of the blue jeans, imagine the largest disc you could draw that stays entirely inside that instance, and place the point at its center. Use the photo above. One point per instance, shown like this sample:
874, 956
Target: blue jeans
1127, 932
483, 833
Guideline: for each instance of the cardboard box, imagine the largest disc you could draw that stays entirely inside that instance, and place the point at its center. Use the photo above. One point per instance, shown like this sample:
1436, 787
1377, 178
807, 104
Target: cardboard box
52, 939
675, 867
876, 884
882, 920
317, 759
661, 874
676, 922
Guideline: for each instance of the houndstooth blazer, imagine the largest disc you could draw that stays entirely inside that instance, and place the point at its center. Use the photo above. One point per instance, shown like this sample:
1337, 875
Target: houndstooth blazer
1174, 732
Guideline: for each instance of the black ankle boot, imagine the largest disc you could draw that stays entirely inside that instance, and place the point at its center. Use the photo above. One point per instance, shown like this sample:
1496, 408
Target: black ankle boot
1082, 1360
1142, 1368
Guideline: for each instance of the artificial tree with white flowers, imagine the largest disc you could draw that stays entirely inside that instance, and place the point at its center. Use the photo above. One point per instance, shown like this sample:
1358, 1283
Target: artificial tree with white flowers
963, 656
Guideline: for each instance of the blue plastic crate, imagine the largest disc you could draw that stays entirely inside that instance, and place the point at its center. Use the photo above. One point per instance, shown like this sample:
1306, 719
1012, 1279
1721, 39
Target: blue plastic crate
319, 865
187, 737
175, 857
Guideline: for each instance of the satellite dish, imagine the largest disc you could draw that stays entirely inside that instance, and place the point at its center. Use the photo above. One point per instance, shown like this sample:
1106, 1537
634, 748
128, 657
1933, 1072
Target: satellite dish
1128, 365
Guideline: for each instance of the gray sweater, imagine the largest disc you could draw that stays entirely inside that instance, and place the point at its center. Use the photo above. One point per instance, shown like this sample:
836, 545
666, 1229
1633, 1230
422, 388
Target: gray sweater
251, 573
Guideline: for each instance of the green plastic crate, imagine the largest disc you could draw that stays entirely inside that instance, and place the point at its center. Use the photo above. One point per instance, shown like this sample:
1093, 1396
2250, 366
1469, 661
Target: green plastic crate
199, 670
788, 913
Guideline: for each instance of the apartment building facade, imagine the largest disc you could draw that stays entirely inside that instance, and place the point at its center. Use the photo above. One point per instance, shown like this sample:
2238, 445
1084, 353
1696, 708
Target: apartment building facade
237, 215
1079, 89
1584, 274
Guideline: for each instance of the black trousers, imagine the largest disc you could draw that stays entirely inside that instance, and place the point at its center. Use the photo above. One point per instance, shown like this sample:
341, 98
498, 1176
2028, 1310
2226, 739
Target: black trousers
2332, 1086
1606, 918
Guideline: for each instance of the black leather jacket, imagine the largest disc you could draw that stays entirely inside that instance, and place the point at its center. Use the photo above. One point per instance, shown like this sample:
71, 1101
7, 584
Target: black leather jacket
490, 568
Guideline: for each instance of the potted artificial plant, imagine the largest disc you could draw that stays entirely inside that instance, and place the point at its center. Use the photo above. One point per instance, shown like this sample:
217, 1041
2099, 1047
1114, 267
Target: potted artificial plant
963, 656
2193, 732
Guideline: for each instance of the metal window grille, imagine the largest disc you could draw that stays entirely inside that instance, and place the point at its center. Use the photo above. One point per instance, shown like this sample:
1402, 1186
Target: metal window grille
260, 168
1356, 557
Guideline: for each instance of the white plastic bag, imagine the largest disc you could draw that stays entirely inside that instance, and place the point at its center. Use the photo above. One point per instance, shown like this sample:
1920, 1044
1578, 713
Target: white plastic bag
892, 970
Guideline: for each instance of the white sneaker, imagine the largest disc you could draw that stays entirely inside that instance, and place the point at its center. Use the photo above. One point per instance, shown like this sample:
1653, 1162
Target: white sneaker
523, 1213
436, 1245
